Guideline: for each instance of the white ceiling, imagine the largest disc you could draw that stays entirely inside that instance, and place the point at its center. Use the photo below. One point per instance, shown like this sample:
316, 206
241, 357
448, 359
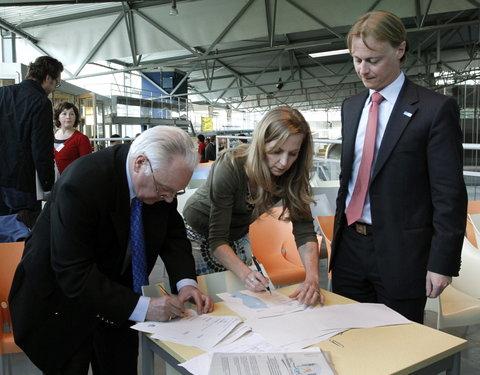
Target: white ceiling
235, 51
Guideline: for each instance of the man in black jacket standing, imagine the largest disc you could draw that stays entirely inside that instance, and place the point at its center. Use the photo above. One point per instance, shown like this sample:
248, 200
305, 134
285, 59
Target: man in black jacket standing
26, 138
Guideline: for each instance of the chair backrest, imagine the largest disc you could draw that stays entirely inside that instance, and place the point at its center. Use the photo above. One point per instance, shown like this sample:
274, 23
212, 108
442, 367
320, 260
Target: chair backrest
10, 255
326, 225
470, 232
273, 244
473, 226
468, 280
473, 207
219, 282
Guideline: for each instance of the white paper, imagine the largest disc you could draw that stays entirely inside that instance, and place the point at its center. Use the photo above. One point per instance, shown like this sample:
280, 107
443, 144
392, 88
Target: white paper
307, 363
249, 343
305, 328
201, 331
249, 304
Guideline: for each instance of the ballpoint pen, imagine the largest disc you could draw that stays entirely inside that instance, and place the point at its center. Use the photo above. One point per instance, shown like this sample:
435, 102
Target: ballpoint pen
259, 269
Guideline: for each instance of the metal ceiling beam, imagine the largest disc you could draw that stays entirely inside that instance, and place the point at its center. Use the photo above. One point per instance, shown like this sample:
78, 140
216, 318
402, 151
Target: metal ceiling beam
185, 77
167, 33
95, 13
373, 6
130, 26
154, 83
73, 17
226, 89
274, 58
426, 13
51, 2
8, 26
229, 26
33, 41
271, 17
316, 19
99, 44
240, 76
181, 60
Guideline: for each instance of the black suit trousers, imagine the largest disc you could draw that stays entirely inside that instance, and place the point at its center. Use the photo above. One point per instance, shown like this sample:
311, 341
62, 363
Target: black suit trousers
355, 275
111, 350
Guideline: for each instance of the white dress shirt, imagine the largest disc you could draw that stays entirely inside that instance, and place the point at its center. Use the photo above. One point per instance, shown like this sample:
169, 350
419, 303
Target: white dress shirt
390, 94
140, 312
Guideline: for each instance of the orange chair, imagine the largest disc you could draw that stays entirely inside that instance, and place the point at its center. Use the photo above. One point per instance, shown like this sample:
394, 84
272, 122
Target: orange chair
473, 207
273, 244
470, 232
10, 255
326, 225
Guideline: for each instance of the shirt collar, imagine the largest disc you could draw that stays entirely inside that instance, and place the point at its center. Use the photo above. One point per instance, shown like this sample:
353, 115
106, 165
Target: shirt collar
390, 93
129, 179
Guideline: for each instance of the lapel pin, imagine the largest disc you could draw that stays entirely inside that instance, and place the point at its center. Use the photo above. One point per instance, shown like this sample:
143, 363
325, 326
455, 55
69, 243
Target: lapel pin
408, 114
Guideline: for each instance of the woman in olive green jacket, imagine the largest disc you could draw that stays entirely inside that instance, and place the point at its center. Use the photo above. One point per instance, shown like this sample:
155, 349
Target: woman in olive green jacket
247, 181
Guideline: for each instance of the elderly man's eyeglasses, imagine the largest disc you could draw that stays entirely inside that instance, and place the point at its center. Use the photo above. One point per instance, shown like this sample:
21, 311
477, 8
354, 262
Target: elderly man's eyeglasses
163, 196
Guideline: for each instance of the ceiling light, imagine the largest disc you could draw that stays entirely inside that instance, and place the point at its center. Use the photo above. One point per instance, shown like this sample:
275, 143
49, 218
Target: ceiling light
173, 9
329, 53
279, 84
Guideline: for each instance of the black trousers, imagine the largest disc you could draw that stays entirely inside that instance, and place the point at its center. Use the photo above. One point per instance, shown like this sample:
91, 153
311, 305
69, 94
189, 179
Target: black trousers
355, 275
109, 351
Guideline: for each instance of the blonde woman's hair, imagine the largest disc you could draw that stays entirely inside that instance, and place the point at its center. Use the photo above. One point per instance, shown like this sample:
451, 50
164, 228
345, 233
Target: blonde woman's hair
293, 187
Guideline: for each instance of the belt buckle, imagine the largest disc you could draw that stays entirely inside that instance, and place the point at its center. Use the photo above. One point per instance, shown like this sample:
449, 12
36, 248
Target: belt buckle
361, 228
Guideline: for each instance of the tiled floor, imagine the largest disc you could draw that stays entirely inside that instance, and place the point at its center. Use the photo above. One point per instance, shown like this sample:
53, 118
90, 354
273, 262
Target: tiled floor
470, 364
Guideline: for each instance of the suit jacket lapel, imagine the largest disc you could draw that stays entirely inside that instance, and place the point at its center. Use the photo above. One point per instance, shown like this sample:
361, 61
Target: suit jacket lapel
402, 113
351, 118
120, 213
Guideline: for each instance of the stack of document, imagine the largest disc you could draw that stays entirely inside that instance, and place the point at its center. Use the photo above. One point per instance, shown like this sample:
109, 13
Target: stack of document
303, 327
307, 363
249, 304
249, 355
201, 331
271, 339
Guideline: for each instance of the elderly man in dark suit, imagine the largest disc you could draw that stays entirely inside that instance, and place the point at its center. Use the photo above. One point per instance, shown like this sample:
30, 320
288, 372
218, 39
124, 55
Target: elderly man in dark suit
401, 205
77, 288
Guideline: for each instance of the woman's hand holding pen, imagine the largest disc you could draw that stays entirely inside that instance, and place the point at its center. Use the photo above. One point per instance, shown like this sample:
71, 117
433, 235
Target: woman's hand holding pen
256, 282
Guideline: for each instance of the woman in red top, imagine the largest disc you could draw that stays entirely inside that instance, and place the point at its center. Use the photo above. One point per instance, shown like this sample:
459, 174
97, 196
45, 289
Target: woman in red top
69, 143
201, 147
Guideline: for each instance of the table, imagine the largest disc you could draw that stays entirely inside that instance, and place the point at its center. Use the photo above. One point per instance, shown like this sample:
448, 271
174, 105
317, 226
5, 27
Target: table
400, 350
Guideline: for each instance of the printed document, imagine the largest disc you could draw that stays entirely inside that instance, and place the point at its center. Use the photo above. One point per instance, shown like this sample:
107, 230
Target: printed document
202, 331
308, 363
249, 304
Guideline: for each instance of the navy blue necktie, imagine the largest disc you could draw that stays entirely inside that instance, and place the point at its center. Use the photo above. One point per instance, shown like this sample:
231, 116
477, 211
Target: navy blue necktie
137, 247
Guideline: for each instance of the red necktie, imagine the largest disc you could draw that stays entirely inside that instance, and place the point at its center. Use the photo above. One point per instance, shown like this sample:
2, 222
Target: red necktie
355, 207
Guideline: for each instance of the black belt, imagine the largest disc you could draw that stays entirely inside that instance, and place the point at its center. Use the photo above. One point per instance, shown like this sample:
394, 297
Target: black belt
362, 228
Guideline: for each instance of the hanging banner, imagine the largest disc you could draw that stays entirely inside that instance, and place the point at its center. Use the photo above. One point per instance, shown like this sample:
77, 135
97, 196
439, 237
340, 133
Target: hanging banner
207, 124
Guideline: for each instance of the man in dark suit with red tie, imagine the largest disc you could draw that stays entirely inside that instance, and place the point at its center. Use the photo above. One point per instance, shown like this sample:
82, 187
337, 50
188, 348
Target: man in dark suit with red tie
74, 294
401, 205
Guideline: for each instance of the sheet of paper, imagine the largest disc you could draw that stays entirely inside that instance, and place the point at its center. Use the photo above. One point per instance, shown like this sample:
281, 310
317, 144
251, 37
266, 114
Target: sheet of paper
320, 323
249, 343
202, 331
307, 363
249, 304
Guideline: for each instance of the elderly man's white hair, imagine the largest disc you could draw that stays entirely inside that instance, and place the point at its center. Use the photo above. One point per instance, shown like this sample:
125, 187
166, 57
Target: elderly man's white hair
162, 144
